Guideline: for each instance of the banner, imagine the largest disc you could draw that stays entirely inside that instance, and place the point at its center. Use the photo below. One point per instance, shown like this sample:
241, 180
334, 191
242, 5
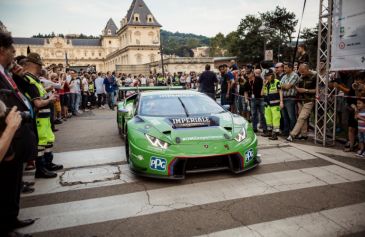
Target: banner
348, 35
269, 55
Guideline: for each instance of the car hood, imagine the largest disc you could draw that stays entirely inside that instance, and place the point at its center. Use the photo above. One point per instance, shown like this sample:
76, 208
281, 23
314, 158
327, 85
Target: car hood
226, 128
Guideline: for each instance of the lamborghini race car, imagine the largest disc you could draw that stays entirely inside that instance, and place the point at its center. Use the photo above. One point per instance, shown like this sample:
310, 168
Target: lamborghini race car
172, 133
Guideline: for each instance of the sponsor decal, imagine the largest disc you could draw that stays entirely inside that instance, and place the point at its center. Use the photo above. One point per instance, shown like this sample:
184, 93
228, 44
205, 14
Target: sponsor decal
158, 164
194, 122
249, 155
177, 95
207, 138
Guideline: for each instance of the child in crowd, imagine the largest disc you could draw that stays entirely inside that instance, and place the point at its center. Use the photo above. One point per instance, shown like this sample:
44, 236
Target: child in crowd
360, 116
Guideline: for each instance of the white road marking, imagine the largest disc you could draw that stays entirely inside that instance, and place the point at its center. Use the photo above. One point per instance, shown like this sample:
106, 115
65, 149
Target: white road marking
42, 186
90, 211
314, 151
332, 222
279, 155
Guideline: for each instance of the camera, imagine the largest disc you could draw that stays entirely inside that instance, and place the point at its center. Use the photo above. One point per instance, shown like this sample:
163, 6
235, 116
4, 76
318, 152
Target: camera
26, 116
358, 86
4, 111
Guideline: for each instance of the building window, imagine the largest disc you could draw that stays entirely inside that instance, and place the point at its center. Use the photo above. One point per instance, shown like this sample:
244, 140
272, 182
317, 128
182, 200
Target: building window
136, 17
150, 19
109, 32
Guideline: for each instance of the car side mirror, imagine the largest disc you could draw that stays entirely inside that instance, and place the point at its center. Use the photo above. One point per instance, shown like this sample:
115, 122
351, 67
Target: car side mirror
226, 107
123, 110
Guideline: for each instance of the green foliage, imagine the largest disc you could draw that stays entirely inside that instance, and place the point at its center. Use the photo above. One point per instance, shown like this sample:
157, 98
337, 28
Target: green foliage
81, 36
247, 42
281, 22
217, 44
310, 39
182, 44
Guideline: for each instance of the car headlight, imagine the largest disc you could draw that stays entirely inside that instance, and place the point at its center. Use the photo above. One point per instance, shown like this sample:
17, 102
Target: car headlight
241, 135
157, 142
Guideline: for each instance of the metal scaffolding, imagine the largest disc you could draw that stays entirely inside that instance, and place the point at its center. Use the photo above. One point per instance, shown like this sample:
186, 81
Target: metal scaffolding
325, 109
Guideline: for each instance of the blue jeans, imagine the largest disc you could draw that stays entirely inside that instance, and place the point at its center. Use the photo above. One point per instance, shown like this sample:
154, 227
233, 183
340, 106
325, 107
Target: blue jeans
110, 97
257, 110
77, 102
72, 102
289, 115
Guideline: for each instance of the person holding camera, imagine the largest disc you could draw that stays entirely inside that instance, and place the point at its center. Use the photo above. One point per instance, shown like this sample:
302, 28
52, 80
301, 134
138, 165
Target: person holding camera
42, 101
9, 124
357, 90
23, 142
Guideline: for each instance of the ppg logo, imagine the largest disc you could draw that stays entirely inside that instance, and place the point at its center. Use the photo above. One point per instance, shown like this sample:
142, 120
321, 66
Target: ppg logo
249, 155
158, 164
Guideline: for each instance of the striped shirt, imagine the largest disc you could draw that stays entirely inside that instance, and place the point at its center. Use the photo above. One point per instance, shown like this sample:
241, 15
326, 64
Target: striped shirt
292, 79
361, 122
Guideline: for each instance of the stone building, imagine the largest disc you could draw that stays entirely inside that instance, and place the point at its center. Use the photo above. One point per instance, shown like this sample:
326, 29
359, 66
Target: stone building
135, 42
201, 52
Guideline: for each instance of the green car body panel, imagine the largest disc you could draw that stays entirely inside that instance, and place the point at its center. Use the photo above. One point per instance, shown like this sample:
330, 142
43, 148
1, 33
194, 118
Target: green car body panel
187, 146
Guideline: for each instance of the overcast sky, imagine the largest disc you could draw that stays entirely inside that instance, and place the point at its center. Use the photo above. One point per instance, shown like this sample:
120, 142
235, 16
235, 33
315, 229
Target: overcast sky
25, 18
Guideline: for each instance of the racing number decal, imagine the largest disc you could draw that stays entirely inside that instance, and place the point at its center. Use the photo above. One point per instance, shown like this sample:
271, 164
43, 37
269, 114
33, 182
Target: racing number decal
249, 155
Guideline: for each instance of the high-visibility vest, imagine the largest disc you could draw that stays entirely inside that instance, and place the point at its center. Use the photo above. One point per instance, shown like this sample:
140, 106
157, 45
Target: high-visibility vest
271, 93
91, 87
43, 116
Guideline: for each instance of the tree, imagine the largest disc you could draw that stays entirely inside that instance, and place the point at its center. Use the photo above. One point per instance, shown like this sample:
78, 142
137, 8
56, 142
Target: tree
280, 25
310, 38
217, 44
251, 41
232, 40
281, 22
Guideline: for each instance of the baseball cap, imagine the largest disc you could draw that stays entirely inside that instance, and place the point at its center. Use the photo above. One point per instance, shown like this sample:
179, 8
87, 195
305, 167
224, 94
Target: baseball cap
222, 65
268, 72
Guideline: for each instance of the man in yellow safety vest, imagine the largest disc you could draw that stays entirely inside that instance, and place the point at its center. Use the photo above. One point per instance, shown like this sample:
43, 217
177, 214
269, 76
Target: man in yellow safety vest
42, 102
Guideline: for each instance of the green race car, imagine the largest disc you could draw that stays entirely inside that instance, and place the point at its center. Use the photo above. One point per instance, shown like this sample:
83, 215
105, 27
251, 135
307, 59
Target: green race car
171, 133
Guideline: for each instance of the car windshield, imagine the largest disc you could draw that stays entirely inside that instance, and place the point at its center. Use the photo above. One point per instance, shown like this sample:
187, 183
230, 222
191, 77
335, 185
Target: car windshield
169, 105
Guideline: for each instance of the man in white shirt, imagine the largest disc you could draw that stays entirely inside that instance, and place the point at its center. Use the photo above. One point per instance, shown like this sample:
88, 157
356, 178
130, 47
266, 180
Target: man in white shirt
143, 81
74, 89
100, 90
85, 91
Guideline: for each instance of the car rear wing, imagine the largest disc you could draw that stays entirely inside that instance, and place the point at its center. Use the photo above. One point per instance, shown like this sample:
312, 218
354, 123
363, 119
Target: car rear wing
123, 90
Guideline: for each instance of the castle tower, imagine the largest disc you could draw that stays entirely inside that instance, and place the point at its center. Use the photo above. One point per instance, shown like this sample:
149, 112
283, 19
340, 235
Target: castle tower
139, 35
109, 39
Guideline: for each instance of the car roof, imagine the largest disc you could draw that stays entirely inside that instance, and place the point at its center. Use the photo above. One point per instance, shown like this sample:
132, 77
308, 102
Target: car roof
171, 92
